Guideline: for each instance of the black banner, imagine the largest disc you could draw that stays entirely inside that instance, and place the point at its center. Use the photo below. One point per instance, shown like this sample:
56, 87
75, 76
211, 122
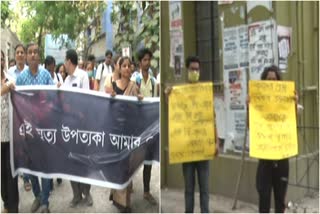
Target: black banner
82, 135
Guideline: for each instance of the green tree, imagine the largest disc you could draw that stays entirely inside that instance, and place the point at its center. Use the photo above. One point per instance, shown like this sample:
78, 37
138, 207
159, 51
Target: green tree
130, 32
6, 14
57, 18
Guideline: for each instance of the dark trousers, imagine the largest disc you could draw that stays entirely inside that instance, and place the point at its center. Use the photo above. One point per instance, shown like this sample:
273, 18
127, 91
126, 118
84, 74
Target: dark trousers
272, 175
80, 188
189, 169
146, 177
9, 185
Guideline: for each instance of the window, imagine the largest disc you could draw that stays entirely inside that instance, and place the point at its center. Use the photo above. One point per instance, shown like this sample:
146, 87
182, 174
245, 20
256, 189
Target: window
207, 39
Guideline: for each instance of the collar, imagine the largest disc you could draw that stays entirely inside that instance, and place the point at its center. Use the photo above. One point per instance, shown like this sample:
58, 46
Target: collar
30, 72
76, 72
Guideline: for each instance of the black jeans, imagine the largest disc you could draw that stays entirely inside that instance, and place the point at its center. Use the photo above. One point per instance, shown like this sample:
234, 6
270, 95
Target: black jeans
146, 177
9, 185
272, 175
189, 169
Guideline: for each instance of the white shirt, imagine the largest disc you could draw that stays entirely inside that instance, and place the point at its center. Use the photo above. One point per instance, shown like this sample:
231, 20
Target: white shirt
101, 76
78, 79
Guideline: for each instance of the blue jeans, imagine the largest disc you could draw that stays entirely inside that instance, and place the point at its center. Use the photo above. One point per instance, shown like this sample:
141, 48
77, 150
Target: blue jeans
189, 169
46, 187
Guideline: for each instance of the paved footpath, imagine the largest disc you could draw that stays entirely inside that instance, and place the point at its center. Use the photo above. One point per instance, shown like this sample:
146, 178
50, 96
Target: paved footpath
62, 195
172, 201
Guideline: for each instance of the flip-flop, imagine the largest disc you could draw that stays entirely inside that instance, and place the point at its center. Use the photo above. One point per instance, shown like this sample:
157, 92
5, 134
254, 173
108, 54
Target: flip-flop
27, 186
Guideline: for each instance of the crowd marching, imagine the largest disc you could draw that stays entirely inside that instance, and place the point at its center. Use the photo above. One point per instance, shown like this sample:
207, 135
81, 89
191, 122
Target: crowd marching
118, 75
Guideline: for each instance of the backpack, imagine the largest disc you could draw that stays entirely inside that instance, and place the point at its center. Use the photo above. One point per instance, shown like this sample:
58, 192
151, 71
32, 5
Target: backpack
139, 79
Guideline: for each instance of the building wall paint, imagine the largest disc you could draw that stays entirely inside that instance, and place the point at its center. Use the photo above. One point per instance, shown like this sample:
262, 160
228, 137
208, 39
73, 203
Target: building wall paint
303, 68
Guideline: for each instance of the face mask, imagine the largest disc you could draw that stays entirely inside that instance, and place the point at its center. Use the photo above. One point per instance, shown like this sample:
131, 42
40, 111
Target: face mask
193, 76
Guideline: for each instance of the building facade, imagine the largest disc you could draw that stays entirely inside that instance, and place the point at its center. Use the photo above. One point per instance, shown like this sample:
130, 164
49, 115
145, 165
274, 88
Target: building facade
207, 28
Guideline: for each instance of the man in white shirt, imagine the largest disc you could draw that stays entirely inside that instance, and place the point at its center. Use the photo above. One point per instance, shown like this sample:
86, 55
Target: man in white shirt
77, 78
20, 57
102, 72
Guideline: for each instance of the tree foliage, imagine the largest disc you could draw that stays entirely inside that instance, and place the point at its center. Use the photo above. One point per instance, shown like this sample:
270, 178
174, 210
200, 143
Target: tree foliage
6, 14
57, 18
131, 32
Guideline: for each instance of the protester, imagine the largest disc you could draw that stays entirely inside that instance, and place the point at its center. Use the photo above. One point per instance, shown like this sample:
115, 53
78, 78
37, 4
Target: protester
123, 86
148, 88
77, 78
89, 70
49, 64
272, 174
133, 67
9, 184
112, 77
61, 69
103, 70
92, 58
20, 58
36, 75
202, 167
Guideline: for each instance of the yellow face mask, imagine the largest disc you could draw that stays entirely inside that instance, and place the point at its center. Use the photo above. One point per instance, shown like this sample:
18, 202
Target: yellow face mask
193, 76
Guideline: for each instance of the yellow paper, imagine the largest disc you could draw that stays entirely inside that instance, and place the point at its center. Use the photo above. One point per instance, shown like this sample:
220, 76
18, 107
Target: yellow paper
191, 123
272, 118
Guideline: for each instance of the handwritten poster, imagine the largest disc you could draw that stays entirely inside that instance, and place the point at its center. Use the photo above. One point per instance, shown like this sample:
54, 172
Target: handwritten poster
262, 47
176, 37
191, 123
273, 127
284, 46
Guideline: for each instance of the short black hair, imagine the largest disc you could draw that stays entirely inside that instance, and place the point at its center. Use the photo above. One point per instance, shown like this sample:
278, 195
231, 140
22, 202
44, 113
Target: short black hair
191, 59
108, 52
142, 52
20, 45
49, 61
73, 56
272, 68
91, 57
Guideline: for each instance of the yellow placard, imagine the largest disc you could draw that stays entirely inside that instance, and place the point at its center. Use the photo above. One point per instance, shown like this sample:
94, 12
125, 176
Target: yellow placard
191, 123
272, 119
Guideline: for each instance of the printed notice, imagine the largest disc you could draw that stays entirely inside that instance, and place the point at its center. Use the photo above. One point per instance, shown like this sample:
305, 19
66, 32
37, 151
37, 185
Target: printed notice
273, 128
191, 123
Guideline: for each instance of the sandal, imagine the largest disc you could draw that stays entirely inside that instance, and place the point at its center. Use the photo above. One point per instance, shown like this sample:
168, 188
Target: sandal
27, 186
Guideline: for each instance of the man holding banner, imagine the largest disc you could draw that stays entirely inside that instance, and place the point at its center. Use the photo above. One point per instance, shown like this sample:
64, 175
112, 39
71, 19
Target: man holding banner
192, 140
77, 78
36, 75
273, 135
